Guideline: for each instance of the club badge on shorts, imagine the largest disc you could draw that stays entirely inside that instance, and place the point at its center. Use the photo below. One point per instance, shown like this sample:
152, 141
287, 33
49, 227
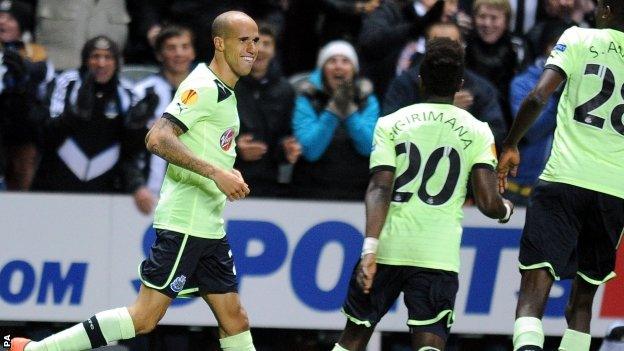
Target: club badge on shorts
178, 284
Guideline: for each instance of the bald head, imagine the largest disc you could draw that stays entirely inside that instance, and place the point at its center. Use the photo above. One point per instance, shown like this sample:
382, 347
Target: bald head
223, 24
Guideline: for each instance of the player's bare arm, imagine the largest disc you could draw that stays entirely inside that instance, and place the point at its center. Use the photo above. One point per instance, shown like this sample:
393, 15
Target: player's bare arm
488, 200
529, 110
162, 140
378, 197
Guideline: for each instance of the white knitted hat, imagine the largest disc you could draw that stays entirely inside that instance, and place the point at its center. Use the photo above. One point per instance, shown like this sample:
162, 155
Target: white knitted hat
338, 47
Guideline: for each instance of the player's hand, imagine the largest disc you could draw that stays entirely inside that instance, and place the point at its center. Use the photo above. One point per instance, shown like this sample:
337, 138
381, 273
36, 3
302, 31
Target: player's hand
250, 150
292, 149
231, 184
507, 164
511, 205
366, 272
463, 99
144, 200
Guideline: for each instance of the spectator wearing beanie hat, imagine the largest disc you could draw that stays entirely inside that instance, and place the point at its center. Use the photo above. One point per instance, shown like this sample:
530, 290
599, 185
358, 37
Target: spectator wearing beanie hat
91, 141
334, 118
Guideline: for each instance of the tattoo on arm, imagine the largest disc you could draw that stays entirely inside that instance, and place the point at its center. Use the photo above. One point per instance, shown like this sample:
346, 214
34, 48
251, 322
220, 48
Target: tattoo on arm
163, 141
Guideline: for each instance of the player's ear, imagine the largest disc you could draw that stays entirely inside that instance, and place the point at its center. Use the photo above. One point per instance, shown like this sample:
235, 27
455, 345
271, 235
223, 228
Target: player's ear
219, 43
461, 84
607, 12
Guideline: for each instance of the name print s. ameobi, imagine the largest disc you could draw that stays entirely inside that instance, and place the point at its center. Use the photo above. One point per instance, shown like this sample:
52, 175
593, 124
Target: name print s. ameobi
612, 49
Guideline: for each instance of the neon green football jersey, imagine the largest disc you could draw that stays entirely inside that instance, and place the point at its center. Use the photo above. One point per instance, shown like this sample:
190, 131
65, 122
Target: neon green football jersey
432, 148
205, 108
588, 148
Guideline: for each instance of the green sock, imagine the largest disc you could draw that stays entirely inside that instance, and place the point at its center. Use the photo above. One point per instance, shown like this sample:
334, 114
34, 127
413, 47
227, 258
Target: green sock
575, 341
97, 331
528, 331
238, 342
338, 348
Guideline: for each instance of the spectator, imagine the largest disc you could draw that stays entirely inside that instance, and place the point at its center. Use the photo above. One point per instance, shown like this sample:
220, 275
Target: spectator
413, 47
86, 142
175, 52
63, 26
265, 147
535, 146
342, 19
334, 118
386, 31
477, 96
491, 50
569, 12
28, 72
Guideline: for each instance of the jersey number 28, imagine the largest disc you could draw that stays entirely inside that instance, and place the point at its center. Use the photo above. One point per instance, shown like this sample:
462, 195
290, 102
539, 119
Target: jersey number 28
582, 113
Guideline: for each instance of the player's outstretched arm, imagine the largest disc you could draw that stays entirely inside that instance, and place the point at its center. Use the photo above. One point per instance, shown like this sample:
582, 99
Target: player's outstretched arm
162, 140
487, 198
530, 109
377, 200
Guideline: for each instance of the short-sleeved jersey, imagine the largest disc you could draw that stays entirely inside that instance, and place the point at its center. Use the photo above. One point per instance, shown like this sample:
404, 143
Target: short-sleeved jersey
588, 148
205, 108
432, 148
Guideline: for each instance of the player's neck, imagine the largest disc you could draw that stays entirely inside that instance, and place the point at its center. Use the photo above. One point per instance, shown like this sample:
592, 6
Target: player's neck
617, 26
223, 71
434, 99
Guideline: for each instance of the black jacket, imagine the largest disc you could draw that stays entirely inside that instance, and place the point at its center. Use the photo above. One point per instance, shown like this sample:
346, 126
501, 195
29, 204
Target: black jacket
382, 38
403, 91
88, 152
496, 62
265, 110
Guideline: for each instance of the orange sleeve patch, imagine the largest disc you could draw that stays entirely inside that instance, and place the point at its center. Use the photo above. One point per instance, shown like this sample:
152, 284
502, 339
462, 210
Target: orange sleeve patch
189, 97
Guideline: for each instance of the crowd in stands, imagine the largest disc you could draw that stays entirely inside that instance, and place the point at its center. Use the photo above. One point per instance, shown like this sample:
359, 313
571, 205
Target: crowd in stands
75, 113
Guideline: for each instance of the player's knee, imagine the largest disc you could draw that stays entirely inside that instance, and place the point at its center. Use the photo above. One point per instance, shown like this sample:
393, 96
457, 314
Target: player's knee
144, 322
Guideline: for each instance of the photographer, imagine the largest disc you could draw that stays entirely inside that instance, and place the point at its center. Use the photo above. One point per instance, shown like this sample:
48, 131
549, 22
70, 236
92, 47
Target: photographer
88, 143
334, 118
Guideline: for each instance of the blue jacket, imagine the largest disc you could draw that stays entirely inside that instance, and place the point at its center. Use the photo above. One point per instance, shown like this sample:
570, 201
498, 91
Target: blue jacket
335, 151
535, 146
314, 126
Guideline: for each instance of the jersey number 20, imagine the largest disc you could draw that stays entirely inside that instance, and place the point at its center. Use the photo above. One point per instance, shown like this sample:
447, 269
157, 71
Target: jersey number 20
583, 114
413, 168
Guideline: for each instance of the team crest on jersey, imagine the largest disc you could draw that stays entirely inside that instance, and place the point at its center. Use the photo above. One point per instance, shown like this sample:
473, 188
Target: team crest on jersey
189, 97
178, 283
226, 139
560, 47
